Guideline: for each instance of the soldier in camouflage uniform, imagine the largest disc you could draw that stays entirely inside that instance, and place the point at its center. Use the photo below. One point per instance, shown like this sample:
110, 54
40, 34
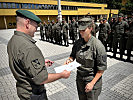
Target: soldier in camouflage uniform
129, 45
70, 29
44, 26
120, 28
52, 31
41, 31
91, 54
125, 18
49, 30
74, 30
46, 31
59, 33
65, 29
103, 32
110, 36
95, 28
26, 60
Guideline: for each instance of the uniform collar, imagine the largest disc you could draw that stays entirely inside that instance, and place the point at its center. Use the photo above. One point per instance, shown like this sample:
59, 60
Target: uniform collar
89, 41
25, 36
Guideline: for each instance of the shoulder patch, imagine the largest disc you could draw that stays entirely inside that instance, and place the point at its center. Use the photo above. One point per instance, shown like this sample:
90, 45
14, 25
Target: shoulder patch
36, 64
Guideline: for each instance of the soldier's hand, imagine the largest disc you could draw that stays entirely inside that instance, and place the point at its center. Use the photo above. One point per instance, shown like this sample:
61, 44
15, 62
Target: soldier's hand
89, 87
48, 62
67, 61
65, 74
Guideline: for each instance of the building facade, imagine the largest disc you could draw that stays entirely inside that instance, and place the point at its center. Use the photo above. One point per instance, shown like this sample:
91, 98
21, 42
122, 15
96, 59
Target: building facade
48, 10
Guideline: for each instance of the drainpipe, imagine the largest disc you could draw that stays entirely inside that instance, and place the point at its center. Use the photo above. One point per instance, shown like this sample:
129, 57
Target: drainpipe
5, 22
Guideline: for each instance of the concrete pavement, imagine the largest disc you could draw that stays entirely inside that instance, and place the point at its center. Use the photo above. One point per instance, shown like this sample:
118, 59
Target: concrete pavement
117, 79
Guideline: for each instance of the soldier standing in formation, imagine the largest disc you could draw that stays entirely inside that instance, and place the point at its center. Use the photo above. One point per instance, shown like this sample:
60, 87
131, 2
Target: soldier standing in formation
110, 36
41, 31
129, 45
65, 29
104, 31
120, 28
44, 26
70, 29
59, 33
95, 28
49, 30
74, 30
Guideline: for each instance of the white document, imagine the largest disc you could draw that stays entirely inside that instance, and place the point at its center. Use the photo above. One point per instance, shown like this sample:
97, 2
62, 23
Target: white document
68, 67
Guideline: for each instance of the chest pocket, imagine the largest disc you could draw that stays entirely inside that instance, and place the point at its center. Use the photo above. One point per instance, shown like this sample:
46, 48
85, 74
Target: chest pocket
85, 57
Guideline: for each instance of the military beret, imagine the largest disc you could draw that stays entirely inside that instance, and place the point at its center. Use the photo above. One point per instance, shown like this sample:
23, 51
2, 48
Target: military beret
120, 15
84, 23
29, 15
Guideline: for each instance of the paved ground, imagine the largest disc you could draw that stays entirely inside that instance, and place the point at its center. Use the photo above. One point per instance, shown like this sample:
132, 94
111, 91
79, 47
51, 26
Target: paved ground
117, 79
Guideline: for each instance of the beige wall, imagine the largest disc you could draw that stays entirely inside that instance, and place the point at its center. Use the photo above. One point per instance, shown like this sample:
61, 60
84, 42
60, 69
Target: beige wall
52, 14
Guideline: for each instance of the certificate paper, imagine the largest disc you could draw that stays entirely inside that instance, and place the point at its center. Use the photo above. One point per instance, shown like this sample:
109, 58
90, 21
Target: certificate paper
68, 67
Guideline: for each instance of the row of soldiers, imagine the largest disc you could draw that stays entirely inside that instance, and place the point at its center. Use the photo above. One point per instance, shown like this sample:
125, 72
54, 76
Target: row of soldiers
117, 33
57, 32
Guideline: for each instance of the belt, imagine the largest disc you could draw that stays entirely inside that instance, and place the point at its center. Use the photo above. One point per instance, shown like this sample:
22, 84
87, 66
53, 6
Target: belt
84, 73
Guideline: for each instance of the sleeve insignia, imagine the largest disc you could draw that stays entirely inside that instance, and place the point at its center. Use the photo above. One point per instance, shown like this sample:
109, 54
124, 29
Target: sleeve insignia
36, 64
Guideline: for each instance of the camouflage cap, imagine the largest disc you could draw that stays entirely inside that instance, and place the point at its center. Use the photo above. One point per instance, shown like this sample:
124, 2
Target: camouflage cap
29, 15
84, 23
120, 15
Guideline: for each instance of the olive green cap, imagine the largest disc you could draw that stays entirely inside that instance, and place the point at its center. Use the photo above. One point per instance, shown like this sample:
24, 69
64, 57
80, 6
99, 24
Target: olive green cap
29, 15
84, 23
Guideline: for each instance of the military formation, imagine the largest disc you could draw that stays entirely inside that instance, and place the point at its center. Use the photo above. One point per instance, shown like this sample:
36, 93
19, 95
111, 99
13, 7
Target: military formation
57, 32
115, 34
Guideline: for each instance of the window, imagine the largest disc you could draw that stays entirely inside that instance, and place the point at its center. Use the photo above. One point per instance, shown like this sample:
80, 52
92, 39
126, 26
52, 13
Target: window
49, 6
33, 6
13, 5
40, 6
29, 6
4, 5
17, 5
8, 5
0, 5
45, 6
25, 5
37, 6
